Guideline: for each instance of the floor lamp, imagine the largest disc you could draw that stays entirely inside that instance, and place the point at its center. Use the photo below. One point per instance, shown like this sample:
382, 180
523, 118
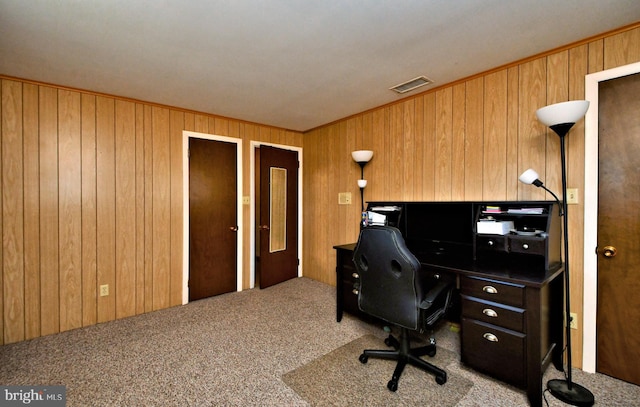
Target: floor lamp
560, 117
362, 157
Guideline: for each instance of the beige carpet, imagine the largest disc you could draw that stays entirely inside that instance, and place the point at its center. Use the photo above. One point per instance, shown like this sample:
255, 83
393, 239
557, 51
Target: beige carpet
339, 379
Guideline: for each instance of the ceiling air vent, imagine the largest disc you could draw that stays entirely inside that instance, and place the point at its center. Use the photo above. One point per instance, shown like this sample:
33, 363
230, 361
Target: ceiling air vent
412, 84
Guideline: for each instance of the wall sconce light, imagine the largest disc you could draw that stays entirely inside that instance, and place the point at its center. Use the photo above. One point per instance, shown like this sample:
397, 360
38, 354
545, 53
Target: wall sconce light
560, 117
362, 157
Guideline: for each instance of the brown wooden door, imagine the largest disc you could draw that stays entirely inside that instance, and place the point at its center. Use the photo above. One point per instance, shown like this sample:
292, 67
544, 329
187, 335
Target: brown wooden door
212, 218
618, 332
278, 227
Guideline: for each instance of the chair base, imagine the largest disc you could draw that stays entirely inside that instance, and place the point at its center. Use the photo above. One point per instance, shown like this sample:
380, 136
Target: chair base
406, 355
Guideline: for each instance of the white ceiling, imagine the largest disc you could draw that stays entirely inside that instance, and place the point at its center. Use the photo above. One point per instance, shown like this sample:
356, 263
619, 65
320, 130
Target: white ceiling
296, 64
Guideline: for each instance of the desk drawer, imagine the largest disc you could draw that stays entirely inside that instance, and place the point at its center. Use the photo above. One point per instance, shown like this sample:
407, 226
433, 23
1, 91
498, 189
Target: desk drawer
494, 243
492, 290
496, 351
528, 245
493, 313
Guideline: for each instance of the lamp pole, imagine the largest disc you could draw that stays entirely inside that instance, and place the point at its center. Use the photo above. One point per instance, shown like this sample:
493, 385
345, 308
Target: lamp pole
560, 117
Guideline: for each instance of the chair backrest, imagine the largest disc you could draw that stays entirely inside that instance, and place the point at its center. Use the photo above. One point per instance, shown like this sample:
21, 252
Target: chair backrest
390, 282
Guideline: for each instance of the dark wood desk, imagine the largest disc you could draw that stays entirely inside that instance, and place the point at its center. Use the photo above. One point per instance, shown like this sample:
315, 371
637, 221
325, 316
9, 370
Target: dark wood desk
510, 310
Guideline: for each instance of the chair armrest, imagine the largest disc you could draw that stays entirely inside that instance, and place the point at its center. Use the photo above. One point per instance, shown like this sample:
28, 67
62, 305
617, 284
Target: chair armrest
434, 293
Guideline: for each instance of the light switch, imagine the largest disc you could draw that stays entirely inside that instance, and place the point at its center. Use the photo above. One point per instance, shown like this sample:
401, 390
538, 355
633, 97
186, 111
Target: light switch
344, 198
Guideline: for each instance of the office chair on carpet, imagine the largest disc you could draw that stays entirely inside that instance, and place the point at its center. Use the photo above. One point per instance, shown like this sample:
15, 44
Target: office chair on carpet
393, 288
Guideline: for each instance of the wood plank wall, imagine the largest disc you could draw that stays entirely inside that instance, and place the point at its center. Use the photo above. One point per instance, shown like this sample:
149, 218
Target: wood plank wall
91, 195
465, 141
92, 184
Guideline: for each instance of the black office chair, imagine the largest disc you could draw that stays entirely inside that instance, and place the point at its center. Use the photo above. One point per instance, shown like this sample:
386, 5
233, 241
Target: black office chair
392, 287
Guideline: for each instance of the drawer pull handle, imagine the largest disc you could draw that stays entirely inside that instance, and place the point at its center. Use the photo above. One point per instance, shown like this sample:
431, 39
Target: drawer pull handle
355, 291
355, 275
489, 289
490, 337
490, 313
525, 246
490, 243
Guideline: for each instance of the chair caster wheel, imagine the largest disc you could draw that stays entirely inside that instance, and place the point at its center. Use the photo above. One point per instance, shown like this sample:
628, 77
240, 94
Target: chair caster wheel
363, 358
441, 379
392, 385
431, 353
388, 342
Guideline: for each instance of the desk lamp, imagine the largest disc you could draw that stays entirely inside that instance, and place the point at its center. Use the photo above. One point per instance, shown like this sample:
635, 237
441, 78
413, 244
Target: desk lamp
362, 157
560, 117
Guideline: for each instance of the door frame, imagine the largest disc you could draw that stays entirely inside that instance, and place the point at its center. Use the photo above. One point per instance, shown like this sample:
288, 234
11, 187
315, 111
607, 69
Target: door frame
590, 306
185, 206
254, 145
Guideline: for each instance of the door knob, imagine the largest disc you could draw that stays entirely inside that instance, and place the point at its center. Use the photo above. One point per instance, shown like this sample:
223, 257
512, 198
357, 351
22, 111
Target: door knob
264, 227
609, 251
233, 228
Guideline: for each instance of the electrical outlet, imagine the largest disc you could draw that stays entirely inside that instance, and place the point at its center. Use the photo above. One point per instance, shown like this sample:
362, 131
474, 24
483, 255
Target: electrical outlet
573, 320
245, 200
104, 290
572, 196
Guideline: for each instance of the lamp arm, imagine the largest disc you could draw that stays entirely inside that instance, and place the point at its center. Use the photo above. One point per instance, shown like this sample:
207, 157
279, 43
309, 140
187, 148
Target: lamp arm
556, 198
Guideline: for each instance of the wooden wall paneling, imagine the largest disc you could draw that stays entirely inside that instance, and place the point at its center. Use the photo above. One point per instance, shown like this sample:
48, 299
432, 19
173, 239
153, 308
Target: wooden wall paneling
176, 126
376, 171
443, 144
211, 126
557, 91
148, 209
277, 136
474, 176
494, 157
264, 134
429, 148
125, 206
458, 142
189, 121
310, 154
161, 208
89, 210
106, 206
31, 211
578, 69
596, 56
49, 271
355, 143
221, 127
408, 139
201, 123
70, 209
395, 153
513, 125
622, 49
531, 133
328, 205
419, 141
312, 203
140, 214
12, 213
347, 177
365, 141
